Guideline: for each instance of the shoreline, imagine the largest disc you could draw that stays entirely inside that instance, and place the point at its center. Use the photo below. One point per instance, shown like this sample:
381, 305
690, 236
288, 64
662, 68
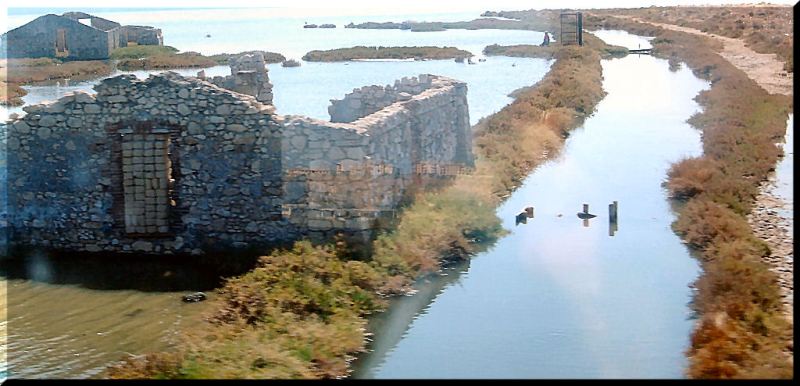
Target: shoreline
769, 225
534, 121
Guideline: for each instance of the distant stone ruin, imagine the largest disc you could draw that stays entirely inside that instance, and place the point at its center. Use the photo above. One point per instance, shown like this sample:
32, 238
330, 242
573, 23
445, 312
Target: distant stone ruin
187, 165
74, 36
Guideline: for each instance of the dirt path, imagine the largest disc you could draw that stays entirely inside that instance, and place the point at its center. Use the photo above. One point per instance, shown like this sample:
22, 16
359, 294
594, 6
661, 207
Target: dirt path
765, 69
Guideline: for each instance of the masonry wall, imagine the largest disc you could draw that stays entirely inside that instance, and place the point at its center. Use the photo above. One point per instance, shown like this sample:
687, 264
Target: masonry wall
67, 169
142, 35
363, 168
38, 39
431, 126
370, 99
180, 165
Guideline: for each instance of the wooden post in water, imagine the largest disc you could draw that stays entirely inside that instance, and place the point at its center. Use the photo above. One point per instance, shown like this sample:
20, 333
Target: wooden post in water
529, 212
612, 218
612, 212
585, 208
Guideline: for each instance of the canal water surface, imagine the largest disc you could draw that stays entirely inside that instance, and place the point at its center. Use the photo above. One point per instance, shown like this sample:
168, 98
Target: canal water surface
560, 298
72, 317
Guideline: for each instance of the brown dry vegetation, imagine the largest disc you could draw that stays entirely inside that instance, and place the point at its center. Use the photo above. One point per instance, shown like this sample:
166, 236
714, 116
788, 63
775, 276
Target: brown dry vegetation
165, 57
27, 71
299, 314
165, 61
742, 332
11, 94
16, 72
764, 29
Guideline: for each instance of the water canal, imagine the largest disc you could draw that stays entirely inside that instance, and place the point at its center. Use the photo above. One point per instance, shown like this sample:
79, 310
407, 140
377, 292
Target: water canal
72, 317
559, 298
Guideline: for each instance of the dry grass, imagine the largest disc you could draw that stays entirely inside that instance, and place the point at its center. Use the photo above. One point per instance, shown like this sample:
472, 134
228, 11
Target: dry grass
16, 72
166, 61
742, 332
764, 29
11, 94
28, 71
299, 314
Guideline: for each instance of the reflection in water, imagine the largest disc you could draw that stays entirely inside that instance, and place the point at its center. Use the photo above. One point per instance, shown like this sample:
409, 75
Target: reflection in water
393, 324
555, 299
70, 315
104, 272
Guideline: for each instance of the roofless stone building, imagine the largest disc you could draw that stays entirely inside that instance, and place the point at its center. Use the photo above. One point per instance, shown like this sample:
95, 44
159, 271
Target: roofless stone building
174, 164
74, 36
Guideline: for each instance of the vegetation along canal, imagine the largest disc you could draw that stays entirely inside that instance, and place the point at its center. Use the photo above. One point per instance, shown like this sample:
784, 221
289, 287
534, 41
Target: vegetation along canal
559, 297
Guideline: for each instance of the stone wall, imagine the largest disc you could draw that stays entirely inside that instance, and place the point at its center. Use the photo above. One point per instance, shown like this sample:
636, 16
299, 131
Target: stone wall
41, 37
141, 35
249, 75
180, 165
369, 99
431, 126
162, 165
349, 175
38, 39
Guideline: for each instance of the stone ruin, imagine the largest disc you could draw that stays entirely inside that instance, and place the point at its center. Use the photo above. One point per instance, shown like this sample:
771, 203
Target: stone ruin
188, 165
248, 76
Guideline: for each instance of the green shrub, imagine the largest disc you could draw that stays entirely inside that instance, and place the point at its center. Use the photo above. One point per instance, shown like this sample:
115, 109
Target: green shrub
139, 52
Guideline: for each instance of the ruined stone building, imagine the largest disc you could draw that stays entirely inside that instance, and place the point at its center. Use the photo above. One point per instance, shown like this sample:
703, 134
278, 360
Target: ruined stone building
173, 164
74, 36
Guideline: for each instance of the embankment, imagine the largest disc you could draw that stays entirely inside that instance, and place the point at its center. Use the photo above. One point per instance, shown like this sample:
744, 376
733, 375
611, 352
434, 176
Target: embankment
301, 312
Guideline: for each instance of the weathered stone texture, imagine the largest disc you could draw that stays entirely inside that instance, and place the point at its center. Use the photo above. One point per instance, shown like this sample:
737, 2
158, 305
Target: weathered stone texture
76, 178
179, 165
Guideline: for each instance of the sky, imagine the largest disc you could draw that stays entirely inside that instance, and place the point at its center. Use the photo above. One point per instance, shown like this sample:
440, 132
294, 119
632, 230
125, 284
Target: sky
405, 4
366, 7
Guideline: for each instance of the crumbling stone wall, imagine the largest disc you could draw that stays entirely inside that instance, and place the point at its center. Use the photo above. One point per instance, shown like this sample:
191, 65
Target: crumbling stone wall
141, 35
349, 175
180, 165
95, 21
198, 165
431, 126
369, 99
249, 75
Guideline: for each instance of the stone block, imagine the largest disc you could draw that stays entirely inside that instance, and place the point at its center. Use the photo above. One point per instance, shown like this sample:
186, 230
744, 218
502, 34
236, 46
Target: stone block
144, 246
22, 128
47, 121
91, 109
236, 128
183, 109
44, 132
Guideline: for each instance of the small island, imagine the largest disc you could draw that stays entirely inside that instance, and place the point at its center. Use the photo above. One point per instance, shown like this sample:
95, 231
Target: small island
166, 57
511, 21
363, 52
